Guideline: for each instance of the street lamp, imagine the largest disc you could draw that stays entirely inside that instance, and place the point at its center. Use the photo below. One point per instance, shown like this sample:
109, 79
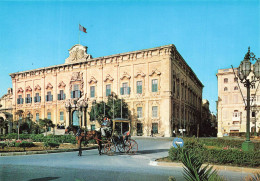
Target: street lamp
243, 72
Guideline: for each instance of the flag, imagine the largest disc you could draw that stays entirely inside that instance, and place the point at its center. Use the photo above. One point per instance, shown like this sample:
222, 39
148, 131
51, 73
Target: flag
81, 28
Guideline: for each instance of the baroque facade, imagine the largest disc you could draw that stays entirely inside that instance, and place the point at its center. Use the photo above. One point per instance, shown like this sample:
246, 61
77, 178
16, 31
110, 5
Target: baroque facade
157, 84
231, 104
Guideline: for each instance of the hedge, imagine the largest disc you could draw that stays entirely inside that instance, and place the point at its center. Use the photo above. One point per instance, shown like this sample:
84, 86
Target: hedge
51, 144
228, 156
41, 137
221, 143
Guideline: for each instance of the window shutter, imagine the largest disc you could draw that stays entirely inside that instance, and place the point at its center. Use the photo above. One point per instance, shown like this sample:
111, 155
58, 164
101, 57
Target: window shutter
39, 98
64, 96
121, 91
46, 98
35, 99
22, 101
51, 97
30, 100
128, 90
71, 93
79, 93
18, 101
59, 96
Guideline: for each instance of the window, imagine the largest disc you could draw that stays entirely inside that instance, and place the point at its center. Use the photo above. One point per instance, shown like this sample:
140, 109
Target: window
19, 99
139, 112
154, 111
49, 115
235, 79
37, 97
139, 87
61, 116
236, 114
124, 90
154, 85
75, 93
155, 128
108, 90
37, 117
93, 127
225, 80
225, 89
61, 95
49, 97
92, 91
235, 88
253, 114
28, 99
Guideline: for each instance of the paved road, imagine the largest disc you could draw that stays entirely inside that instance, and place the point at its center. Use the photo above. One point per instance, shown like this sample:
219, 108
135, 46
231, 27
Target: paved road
91, 166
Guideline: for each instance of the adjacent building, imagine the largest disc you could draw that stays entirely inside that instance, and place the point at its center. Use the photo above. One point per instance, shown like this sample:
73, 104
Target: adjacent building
232, 102
161, 90
6, 116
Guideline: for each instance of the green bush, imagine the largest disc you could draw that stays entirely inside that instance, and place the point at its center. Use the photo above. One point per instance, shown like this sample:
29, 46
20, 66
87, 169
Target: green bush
221, 142
51, 144
229, 156
2, 145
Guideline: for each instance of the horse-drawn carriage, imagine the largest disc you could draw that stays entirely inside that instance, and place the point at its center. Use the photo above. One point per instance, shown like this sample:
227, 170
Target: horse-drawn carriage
118, 137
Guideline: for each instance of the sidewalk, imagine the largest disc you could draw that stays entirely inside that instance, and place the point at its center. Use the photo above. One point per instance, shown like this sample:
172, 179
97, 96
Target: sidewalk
45, 151
217, 167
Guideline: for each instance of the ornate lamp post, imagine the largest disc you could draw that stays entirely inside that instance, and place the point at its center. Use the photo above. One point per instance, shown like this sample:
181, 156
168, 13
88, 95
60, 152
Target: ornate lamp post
243, 72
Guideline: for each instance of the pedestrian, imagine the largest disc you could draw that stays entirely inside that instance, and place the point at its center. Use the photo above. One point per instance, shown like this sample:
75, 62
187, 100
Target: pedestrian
151, 133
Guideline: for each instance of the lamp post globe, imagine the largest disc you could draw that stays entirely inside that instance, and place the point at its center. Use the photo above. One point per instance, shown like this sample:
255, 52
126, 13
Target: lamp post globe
243, 72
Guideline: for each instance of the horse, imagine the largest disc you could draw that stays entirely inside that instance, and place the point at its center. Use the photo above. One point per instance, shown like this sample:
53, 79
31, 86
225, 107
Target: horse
85, 136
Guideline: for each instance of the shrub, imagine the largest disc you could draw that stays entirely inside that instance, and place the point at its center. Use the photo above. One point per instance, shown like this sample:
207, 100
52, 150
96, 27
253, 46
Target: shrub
3, 144
51, 144
229, 156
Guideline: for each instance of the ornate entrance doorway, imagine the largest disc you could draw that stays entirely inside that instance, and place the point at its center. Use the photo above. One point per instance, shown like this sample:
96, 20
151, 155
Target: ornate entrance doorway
75, 118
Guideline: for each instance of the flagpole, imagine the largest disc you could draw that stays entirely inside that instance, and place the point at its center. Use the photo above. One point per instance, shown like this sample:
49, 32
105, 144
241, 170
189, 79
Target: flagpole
79, 35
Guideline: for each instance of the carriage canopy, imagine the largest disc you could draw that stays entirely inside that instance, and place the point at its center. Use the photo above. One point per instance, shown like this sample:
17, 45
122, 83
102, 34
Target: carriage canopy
121, 125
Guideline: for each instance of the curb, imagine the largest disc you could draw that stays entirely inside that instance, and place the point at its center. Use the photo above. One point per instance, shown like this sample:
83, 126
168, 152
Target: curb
217, 167
44, 151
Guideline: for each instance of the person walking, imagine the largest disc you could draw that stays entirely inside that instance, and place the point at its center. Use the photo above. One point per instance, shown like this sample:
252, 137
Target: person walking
151, 133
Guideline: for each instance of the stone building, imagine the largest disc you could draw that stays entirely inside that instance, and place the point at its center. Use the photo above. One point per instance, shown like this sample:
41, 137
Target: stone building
232, 101
161, 90
6, 112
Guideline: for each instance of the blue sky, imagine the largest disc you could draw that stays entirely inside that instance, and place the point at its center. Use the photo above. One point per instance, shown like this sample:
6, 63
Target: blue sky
210, 35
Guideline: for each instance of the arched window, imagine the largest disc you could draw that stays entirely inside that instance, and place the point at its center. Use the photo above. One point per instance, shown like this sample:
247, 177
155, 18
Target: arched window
235, 88
225, 89
225, 80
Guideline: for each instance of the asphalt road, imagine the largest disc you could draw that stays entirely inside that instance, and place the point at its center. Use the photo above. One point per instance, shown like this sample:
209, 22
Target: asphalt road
91, 166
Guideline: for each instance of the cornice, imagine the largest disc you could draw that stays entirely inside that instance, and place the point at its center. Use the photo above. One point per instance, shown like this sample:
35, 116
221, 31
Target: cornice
100, 61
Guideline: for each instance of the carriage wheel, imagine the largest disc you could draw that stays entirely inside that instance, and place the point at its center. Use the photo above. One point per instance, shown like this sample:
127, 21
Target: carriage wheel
110, 149
131, 147
121, 147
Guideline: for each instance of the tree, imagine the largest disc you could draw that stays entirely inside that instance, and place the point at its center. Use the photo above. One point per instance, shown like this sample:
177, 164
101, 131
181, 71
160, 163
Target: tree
112, 109
3, 124
45, 123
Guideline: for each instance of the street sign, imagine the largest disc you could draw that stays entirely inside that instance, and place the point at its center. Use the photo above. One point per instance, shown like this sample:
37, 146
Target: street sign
178, 141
